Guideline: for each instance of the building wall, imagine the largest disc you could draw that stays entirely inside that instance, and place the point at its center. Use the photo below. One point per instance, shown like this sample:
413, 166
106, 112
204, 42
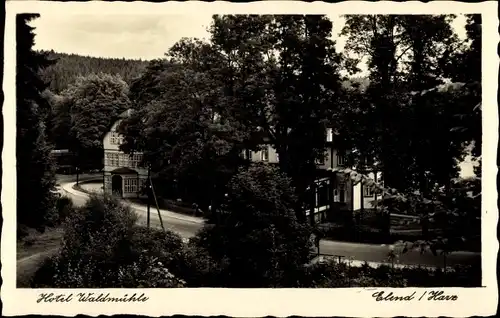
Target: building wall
131, 184
342, 193
114, 159
367, 197
332, 157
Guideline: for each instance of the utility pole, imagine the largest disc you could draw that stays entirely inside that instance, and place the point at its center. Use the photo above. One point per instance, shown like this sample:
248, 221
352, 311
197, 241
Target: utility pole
148, 183
77, 173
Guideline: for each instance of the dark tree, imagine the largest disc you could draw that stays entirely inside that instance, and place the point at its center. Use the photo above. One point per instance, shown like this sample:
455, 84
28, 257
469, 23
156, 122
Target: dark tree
260, 243
260, 79
70, 66
35, 174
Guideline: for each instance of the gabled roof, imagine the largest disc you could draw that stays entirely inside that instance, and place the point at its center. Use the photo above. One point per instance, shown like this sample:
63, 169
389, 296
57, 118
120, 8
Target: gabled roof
126, 113
123, 115
124, 170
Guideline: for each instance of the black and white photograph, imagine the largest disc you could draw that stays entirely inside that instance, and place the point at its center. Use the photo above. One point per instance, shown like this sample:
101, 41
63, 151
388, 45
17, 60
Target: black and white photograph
250, 151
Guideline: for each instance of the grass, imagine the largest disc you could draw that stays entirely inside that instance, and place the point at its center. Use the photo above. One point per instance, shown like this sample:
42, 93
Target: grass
32, 250
78, 187
36, 242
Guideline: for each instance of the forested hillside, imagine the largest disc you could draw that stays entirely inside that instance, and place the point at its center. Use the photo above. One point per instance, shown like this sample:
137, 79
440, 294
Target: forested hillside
70, 66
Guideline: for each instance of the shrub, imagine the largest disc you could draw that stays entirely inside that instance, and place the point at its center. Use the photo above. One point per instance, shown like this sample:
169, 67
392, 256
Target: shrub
64, 208
260, 244
167, 246
103, 248
332, 275
199, 269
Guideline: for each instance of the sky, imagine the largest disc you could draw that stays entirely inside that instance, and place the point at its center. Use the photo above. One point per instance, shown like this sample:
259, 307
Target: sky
136, 36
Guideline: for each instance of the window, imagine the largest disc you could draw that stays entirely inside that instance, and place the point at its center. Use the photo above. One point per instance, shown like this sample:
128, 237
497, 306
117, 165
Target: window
342, 193
131, 185
367, 192
142, 184
135, 160
124, 160
323, 198
342, 196
277, 157
111, 159
264, 154
329, 135
320, 161
116, 138
247, 154
341, 160
367, 161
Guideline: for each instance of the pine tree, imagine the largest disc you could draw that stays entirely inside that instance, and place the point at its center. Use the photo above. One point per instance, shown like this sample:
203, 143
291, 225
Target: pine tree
35, 173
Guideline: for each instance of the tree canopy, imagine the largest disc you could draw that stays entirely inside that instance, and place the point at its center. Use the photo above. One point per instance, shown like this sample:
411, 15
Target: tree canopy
69, 67
412, 98
259, 243
84, 112
260, 79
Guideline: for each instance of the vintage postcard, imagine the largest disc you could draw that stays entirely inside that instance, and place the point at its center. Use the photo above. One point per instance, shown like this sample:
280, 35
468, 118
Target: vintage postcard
270, 158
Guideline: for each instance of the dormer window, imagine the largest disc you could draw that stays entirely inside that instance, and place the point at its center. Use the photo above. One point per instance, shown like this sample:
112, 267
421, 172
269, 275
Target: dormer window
116, 138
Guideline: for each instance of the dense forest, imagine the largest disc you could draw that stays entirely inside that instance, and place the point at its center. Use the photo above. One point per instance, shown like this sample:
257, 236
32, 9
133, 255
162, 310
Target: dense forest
69, 66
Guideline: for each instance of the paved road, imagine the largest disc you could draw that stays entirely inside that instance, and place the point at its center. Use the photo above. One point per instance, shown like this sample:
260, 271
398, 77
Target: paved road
185, 226
188, 226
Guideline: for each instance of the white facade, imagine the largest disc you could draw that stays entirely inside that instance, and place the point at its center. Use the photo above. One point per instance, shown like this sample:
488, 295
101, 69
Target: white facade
341, 194
123, 173
363, 197
345, 193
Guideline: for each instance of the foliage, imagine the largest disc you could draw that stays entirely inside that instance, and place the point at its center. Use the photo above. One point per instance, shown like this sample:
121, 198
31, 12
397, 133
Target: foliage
406, 106
259, 243
102, 248
64, 207
179, 131
35, 171
84, 113
333, 275
69, 67
199, 269
260, 79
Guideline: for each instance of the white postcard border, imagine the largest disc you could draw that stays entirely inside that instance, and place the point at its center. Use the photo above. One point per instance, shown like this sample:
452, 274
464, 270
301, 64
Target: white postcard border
260, 302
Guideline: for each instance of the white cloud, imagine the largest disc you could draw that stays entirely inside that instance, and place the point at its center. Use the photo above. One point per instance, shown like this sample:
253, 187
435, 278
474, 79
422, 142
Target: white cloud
129, 36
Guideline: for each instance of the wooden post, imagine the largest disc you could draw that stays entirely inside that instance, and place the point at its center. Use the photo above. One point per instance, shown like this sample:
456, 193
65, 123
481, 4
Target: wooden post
313, 205
77, 174
362, 195
148, 191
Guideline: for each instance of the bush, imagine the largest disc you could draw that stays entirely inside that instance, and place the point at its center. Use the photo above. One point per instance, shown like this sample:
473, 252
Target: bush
167, 246
364, 234
334, 275
102, 248
64, 207
199, 269
260, 244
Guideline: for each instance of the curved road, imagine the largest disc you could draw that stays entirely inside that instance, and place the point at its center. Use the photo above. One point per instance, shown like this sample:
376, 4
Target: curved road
187, 227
